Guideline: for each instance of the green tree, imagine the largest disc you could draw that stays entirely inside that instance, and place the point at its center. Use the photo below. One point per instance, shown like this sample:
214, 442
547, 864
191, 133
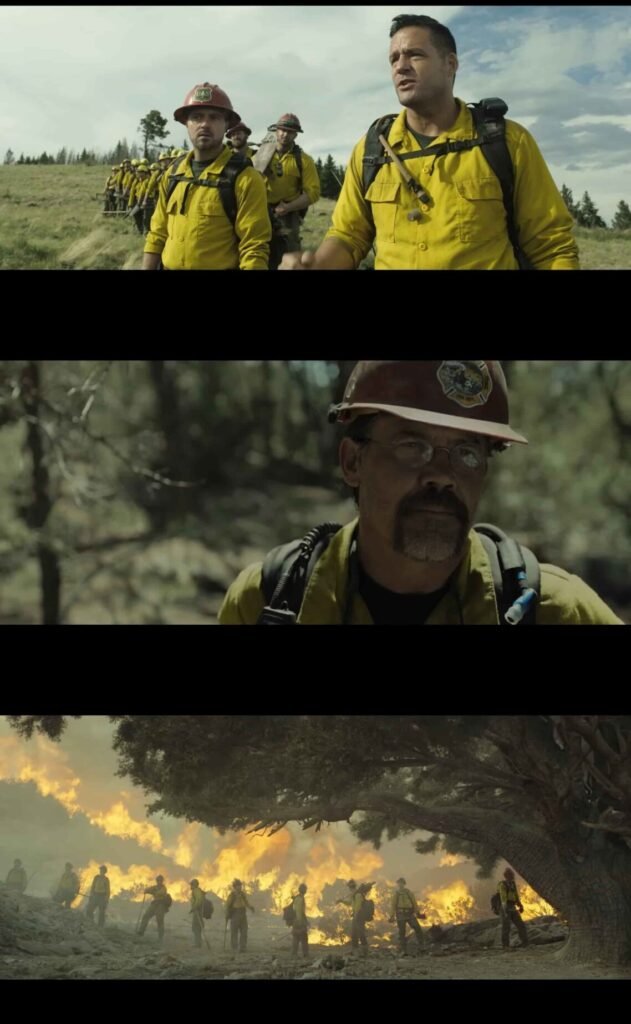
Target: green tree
550, 794
62, 156
622, 219
9, 158
568, 199
152, 128
588, 213
329, 179
185, 145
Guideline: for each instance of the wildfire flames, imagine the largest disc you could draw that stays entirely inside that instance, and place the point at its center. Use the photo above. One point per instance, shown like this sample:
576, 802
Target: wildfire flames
533, 904
453, 904
272, 867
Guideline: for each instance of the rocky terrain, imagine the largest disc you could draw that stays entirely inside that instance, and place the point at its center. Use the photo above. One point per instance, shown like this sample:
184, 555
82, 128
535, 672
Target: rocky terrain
39, 939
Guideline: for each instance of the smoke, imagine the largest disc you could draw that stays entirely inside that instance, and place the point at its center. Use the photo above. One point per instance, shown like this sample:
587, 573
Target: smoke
63, 802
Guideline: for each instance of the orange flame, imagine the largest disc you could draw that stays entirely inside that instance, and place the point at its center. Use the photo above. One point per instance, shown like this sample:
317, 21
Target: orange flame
452, 904
186, 845
118, 822
534, 905
451, 860
52, 775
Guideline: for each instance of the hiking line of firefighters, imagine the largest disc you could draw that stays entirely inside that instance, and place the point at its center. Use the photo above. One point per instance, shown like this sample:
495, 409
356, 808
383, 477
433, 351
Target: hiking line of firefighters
404, 909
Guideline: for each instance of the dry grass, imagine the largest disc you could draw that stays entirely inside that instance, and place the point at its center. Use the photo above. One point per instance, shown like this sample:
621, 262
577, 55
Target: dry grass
50, 219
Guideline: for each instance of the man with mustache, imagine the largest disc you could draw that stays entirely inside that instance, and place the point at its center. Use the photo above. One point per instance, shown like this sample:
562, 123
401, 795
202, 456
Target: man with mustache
418, 440
211, 209
238, 138
464, 213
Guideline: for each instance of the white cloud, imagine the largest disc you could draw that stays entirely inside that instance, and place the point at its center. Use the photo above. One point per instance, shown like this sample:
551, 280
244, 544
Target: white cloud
624, 121
84, 76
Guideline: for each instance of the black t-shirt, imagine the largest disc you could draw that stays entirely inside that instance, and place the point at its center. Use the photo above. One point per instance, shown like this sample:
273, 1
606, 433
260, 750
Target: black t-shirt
199, 166
423, 140
390, 609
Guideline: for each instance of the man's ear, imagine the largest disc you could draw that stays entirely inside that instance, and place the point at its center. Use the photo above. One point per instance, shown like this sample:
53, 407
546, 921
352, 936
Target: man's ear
350, 453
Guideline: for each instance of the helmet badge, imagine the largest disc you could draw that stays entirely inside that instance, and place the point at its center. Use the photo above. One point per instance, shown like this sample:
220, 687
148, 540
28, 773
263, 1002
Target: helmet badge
467, 383
203, 95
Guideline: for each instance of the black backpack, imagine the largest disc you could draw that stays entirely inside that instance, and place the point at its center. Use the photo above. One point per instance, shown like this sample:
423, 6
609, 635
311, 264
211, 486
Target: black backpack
367, 911
289, 914
208, 909
496, 904
488, 117
288, 568
168, 903
225, 183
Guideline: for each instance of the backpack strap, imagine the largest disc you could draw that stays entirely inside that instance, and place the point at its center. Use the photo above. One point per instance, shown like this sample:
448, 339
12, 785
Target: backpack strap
374, 154
488, 117
226, 184
516, 572
298, 157
297, 153
287, 570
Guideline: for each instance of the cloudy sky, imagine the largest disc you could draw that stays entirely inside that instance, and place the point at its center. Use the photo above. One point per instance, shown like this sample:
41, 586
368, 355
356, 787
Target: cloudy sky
84, 76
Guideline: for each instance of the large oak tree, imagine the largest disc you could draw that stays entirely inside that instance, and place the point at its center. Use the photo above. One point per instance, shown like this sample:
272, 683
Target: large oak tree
550, 794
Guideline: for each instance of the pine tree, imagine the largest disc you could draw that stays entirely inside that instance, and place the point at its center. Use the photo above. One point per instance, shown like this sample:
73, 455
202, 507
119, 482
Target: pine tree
568, 199
589, 216
152, 127
185, 145
62, 156
329, 183
622, 219
9, 157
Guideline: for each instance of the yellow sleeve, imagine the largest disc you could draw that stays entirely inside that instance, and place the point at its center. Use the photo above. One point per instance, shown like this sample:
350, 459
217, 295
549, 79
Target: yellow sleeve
252, 226
543, 221
157, 236
352, 224
310, 179
244, 602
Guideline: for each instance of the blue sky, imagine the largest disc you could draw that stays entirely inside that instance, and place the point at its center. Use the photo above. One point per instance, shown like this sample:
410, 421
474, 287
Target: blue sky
84, 76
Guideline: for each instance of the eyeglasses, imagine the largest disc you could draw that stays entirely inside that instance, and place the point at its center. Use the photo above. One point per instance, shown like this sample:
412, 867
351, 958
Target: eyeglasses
464, 457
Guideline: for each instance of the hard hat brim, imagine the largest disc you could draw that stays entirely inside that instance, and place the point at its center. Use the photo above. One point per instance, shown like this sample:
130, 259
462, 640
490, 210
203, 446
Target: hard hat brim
497, 431
181, 114
288, 128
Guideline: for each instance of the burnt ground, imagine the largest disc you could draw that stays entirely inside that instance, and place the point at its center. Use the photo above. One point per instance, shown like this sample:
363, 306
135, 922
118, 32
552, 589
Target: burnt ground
39, 939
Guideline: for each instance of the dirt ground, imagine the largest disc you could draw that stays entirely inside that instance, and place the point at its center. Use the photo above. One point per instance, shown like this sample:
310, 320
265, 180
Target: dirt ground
145, 959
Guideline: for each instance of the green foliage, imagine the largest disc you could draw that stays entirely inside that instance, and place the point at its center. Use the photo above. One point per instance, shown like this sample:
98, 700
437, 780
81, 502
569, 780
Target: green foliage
331, 177
568, 199
567, 494
622, 218
587, 215
152, 128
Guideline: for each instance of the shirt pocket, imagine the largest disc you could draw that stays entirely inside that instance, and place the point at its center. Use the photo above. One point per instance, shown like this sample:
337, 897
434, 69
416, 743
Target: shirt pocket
481, 214
176, 225
384, 203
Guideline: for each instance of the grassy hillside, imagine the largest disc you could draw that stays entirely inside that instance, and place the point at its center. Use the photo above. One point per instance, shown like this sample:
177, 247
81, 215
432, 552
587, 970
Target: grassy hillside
51, 220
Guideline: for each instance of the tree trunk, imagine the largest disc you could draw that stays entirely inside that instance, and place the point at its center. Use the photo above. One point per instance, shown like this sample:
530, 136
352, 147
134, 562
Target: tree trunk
171, 500
39, 510
586, 878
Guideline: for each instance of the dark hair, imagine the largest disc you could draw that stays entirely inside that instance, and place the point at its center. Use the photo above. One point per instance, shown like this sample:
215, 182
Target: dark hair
441, 36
